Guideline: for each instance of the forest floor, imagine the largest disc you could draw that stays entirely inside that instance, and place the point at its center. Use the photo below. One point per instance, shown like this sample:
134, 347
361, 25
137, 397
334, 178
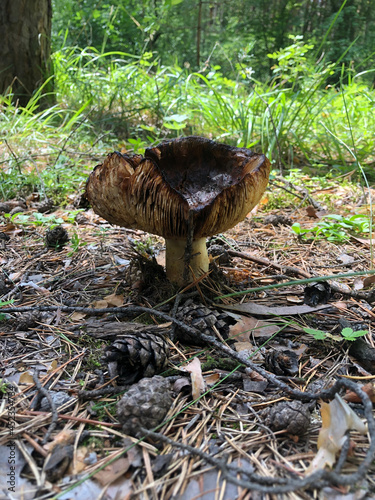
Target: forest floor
243, 421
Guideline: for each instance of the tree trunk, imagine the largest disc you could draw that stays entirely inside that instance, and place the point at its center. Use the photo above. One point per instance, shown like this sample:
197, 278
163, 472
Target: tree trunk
25, 49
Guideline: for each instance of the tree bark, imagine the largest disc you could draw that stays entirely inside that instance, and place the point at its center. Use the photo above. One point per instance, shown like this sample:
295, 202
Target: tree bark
25, 49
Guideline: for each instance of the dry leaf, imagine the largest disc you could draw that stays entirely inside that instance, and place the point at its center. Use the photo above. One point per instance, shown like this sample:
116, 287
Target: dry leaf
340, 305
77, 316
345, 259
26, 378
114, 300
243, 346
180, 384
100, 304
358, 283
311, 212
160, 258
112, 471
253, 308
212, 379
247, 327
337, 419
66, 436
369, 389
78, 463
294, 299
254, 382
369, 280
197, 382
52, 366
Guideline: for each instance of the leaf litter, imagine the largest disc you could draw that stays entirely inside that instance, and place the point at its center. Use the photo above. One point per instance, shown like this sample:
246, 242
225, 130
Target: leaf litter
218, 443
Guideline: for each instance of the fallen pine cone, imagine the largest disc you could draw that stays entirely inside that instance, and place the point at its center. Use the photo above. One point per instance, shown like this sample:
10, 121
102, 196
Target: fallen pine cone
205, 320
292, 416
144, 405
56, 237
134, 356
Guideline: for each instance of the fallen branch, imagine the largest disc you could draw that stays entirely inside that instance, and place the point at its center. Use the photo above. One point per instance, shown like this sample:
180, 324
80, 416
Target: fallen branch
55, 417
295, 271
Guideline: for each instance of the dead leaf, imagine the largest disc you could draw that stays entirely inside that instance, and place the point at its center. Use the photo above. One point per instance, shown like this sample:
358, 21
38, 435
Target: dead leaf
337, 419
26, 378
369, 389
63, 438
52, 366
180, 384
243, 346
197, 382
100, 304
358, 283
77, 316
212, 379
294, 299
160, 258
78, 463
369, 280
345, 259
252, 308
340, 305
114, 300
254, 382
247, 327
364, 241
113, 471
311, 212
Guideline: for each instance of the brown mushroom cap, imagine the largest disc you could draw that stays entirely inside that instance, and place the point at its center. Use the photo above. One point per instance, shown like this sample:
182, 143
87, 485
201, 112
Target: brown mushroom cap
220, 184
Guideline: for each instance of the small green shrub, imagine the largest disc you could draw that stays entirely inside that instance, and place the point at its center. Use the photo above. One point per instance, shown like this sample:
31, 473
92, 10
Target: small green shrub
334, 228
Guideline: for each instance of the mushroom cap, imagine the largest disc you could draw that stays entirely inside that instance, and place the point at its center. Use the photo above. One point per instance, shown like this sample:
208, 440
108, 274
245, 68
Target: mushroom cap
216, 183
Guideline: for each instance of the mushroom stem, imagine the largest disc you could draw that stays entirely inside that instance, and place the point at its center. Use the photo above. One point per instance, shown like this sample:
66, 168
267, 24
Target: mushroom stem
175, 261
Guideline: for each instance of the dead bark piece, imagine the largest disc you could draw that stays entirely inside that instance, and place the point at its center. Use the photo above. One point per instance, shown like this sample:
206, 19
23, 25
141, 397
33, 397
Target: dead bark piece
317, 293
363, 353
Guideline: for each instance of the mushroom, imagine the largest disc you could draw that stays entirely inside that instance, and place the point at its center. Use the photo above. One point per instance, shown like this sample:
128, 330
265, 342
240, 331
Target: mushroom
184, 190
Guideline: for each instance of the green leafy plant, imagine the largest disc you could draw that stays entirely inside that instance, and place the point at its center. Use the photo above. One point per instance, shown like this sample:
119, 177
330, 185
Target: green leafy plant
350, 334
334, 228
76, 244
3, 386
35, 219
346, 333
4, 303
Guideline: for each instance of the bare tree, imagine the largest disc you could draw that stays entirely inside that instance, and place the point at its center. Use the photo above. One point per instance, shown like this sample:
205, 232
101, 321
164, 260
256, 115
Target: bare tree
25, 48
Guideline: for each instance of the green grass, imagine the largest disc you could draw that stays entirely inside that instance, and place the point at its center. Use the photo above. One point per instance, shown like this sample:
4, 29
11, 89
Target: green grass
109, 101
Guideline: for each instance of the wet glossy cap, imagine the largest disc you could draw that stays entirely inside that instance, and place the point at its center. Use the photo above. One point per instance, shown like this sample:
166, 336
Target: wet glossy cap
220, 184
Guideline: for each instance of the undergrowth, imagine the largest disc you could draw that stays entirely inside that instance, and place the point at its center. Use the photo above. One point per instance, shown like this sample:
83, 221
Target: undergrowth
109, 101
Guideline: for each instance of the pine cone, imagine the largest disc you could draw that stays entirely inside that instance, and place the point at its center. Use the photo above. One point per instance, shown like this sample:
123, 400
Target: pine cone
56, 237
144, 405
281, 362
134, 356
44, 206
292, 416
203, 319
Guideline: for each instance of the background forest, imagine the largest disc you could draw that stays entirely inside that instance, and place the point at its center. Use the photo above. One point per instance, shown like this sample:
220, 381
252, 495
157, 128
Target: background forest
294, 79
